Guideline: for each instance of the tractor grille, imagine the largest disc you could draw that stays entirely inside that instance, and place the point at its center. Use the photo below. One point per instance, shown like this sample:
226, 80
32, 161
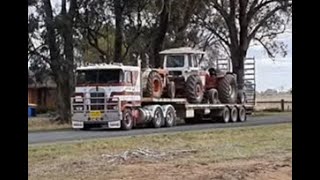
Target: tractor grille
97, 101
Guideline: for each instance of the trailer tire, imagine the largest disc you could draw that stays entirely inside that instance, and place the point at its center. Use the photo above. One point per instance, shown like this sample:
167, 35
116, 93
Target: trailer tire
227, 89
194, 89
242, 114
170, 117
233, 114
225, 115
127, 121
158, 118
154, 85
212, 96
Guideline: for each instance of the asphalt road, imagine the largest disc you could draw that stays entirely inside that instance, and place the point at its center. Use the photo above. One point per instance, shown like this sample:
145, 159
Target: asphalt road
72, 135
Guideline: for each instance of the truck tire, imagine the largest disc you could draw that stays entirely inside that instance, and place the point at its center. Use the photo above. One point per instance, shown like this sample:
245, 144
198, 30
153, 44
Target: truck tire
242, 114
170, 117
227, 89
154, 85
212, 96
194, 89
127, 121
225, 115
171, 90
158, 118
233, 114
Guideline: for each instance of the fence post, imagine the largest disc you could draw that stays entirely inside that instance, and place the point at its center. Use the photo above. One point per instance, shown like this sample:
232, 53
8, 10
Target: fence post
282, 105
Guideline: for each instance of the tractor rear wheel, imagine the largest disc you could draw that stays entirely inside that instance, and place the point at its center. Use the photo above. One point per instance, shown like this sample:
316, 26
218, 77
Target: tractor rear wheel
227, 89
194, 89
154, 85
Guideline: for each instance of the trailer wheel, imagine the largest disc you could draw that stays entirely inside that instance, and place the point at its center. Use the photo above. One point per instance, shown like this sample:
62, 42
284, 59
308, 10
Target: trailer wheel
242, 114
212, 96
158, 118
194, 89
233, 114
170, 117
127, 121
154, 85
225, 115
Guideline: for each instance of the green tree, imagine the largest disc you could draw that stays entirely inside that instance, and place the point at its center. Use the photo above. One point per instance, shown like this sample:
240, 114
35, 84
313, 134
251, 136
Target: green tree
238, 23
51, 42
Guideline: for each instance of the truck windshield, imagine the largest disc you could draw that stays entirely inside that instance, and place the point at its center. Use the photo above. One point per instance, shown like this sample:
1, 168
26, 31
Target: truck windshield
99, 76
175, 61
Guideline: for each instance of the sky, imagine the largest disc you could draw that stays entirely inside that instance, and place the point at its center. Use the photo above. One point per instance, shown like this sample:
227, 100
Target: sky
273, 74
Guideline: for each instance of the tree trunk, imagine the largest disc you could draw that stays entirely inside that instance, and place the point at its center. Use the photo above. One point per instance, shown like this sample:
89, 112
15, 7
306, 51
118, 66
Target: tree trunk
118, 34
160, 36
64, 93
238, 66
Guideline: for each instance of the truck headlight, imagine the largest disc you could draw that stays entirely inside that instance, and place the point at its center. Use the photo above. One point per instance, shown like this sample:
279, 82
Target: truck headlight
78, 99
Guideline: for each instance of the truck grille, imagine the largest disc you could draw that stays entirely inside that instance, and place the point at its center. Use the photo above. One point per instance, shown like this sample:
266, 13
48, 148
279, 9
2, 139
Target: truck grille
97, 103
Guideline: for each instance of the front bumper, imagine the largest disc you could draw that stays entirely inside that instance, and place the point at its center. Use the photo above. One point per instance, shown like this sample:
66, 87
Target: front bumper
108, 119
105, 124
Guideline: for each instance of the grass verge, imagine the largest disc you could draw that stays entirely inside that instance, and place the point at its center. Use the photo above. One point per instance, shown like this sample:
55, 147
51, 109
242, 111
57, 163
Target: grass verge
84, 160
42, 124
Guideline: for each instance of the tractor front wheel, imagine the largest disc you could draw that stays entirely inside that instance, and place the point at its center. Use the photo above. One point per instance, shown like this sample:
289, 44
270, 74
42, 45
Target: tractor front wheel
154, 85
194, 89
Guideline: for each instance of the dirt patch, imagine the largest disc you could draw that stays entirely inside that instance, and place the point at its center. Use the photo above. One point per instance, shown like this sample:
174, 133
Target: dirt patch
145, 155
262, 169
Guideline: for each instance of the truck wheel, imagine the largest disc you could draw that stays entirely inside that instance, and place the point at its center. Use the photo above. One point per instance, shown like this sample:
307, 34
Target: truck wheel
158, 118
225, 115
212, 96
127, 119
170, 117
227, 89
171, 89
242, 114
241, 99
233, 114
154, 85
194, 89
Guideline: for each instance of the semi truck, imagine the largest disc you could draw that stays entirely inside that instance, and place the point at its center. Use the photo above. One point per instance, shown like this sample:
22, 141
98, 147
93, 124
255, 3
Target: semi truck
118, 96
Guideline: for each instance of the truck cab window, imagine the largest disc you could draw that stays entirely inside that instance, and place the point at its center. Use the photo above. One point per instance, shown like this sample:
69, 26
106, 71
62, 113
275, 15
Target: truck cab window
128, 77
